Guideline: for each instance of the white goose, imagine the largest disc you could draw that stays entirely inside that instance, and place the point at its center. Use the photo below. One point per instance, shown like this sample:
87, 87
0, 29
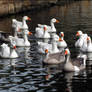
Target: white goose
52, 27
81, 40
20, 25
23, 41
52, 48
62, 43
8, 52
42, 32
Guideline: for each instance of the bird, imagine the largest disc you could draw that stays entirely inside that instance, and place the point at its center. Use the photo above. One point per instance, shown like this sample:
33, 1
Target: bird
9, 51
23, 41
21, 25
55, 58
74, 65
61, 43
42, 32
81, 40
52, 27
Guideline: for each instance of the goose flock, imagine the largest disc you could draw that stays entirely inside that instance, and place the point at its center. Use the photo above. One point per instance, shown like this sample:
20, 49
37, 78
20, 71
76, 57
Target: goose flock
52, 45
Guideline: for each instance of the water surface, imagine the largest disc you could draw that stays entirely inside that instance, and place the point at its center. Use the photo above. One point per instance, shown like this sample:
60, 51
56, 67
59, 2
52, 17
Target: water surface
27, 73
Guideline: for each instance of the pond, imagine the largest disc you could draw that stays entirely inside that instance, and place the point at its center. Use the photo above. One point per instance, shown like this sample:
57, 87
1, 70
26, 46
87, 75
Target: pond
27, 73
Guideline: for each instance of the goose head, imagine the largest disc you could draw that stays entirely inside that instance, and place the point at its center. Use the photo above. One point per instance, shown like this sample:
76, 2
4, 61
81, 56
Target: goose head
79, 33
45, 27
62, 34
67, 51
54, 20
26, 18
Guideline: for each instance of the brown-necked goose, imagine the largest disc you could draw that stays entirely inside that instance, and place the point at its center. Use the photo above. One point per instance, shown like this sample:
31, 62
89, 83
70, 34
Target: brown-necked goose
54, 58
74, 65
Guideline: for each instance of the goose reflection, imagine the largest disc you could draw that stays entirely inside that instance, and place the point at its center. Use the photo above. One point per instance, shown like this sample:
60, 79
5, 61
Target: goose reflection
52, 70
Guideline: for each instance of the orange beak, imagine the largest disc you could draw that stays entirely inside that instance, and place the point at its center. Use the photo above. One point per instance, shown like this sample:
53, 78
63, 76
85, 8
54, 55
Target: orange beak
46, 51
19, 30
57, 21
29, 18
66, 52
29, 33
14, 47
87, 38
77, 34
60, 39
45, 28
62, 34
47, 77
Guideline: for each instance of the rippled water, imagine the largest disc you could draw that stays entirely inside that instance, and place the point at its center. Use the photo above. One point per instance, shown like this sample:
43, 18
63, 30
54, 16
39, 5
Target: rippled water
27, 73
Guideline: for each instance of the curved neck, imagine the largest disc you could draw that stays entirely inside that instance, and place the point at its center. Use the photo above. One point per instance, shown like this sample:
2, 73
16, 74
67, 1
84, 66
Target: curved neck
67, 58
24, 24
53, 26
24, 21
84, 62
25, 37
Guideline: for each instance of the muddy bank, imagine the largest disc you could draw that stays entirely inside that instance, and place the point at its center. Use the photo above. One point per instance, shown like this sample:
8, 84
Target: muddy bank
15, 6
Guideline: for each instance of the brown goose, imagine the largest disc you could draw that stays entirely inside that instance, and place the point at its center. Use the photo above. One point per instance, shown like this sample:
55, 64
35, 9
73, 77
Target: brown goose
54, 58
74, 65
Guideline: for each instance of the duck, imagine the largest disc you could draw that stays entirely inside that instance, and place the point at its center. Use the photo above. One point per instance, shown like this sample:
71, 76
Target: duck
51, 29
9, 52
74, 65
62, 43
55, 58
81, 40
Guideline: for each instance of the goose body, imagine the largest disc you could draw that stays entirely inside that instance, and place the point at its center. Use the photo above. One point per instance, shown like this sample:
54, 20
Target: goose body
8, 52
42, 32
89, 45
39, 32
82, 39
62, 43
55, 58
23, 41
74, 65
20, 25
52, 48
52, 27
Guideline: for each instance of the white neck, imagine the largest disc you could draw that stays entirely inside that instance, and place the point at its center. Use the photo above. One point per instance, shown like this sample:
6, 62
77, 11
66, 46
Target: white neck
53, 26
24, 24
62, 38
54, 46
84, 62
67, 58
25, 37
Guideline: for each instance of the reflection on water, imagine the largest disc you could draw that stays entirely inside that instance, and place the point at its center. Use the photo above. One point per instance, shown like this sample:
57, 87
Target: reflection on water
27, 73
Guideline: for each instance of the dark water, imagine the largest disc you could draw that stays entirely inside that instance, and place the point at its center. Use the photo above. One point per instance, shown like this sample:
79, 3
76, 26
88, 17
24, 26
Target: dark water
27, 73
